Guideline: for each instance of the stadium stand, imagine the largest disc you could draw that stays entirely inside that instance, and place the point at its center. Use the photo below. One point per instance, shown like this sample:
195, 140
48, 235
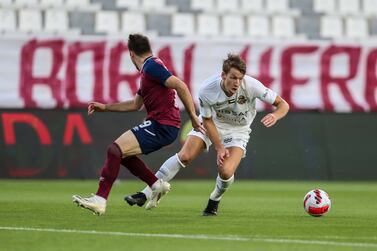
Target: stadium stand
311, 19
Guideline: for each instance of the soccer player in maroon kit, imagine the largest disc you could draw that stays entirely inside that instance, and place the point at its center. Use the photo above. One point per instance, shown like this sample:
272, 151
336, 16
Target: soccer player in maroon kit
157, 94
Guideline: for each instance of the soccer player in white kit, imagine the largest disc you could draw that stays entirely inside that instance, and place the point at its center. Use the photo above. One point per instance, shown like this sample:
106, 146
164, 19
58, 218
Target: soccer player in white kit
227, 108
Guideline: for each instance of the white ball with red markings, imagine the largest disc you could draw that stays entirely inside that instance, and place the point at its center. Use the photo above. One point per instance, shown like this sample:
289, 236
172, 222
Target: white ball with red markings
317, 202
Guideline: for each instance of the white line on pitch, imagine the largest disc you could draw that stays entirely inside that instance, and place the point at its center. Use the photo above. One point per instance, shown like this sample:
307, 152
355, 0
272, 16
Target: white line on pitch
202, 237
178, 236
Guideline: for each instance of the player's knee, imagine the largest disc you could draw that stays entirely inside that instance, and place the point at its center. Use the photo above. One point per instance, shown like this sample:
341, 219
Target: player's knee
185, 157
114, 150
225, 174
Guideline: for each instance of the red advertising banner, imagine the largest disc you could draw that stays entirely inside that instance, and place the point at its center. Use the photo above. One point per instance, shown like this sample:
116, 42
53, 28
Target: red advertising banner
63, 73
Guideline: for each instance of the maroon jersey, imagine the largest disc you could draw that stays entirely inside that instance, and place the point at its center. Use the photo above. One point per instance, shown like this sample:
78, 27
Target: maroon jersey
159, 101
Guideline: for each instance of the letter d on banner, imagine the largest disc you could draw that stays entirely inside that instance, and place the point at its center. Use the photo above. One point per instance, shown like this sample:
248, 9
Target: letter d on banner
9, 119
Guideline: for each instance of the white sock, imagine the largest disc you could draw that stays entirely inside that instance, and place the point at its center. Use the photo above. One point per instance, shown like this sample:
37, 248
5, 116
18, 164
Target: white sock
166, 172
221, 187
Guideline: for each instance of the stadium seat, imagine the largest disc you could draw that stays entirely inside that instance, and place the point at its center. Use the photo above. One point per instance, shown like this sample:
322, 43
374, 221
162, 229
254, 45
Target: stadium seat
107, 22
331, 27
25, 3
349, 6
153, 4
52, 3
324, 6
6, 3
30, 20
253, 6
356, 27
129, 4
370, 7
84, 5
258, 26
183, 24
283, 26
77, 3
133, 22
56, 20
208, 25
277, 6
226, 6
233, 25
203, 5
157, 7
7, 20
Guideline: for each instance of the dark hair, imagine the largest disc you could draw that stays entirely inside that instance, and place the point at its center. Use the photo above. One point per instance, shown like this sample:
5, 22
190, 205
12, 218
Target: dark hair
234, 61
139, 44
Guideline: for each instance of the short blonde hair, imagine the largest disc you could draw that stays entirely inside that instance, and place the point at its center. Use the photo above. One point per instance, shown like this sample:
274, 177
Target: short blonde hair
234, 61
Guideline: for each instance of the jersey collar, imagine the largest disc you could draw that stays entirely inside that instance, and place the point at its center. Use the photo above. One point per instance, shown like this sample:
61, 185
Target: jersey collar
145, 60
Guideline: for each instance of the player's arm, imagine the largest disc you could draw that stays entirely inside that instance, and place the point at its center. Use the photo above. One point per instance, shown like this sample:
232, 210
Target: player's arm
282, 108
126, 106
213, 135
186, 98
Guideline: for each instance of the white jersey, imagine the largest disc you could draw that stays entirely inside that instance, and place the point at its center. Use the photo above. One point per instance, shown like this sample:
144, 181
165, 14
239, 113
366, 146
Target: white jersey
235, 113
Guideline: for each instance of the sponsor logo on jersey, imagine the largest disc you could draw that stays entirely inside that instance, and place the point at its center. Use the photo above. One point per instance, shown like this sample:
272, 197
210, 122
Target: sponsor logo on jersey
227, 140
241, 100
265, 94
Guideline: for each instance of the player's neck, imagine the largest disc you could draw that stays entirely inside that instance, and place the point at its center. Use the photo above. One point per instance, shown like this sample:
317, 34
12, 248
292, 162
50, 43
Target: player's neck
141, 60
223, 88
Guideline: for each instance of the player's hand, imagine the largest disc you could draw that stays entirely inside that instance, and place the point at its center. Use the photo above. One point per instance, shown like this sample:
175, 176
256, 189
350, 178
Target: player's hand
269, 120
197, 125
96, 107
222, 154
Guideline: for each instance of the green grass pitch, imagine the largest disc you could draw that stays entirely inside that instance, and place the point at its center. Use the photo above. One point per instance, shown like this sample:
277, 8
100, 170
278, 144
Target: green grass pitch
254, 215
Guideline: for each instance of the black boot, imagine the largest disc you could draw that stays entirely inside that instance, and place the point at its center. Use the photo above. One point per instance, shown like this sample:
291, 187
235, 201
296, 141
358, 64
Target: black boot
138, 198
211, 209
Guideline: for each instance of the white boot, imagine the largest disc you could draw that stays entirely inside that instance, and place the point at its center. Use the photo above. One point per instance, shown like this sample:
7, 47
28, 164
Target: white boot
159, 189
94, 203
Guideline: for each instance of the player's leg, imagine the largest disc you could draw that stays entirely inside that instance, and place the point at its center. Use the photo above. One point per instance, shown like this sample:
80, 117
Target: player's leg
224, 179
131, 148
192, 147
109, 172
151, 136
124, 150
170, 168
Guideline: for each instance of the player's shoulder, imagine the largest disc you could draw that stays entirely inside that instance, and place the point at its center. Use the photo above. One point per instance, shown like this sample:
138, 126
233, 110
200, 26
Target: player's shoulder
153, 64
251, 81
210, 84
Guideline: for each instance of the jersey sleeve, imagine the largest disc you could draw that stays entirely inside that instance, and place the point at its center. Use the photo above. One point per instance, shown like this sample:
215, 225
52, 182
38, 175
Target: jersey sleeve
261, 92
158, 72
205, 108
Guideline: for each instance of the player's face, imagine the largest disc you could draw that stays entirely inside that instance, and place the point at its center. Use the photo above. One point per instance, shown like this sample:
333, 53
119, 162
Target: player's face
232, 81
133, 56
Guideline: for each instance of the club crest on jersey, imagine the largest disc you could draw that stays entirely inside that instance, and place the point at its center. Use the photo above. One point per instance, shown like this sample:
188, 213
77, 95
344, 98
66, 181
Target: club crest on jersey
241, 100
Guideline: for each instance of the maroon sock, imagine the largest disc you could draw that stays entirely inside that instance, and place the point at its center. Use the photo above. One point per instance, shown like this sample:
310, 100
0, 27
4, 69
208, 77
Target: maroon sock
110, 170
138, 168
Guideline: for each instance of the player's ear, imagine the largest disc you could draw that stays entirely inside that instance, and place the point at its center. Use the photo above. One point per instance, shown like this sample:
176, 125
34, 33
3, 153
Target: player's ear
223, 75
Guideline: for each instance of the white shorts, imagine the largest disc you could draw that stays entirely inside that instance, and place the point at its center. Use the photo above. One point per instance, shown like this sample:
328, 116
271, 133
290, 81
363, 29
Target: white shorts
228, 139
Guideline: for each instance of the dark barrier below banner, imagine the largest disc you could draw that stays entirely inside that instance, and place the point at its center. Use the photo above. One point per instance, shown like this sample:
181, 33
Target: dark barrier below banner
69, 144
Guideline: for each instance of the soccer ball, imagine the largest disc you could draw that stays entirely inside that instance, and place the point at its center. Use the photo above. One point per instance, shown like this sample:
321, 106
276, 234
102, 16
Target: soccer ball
317, 202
